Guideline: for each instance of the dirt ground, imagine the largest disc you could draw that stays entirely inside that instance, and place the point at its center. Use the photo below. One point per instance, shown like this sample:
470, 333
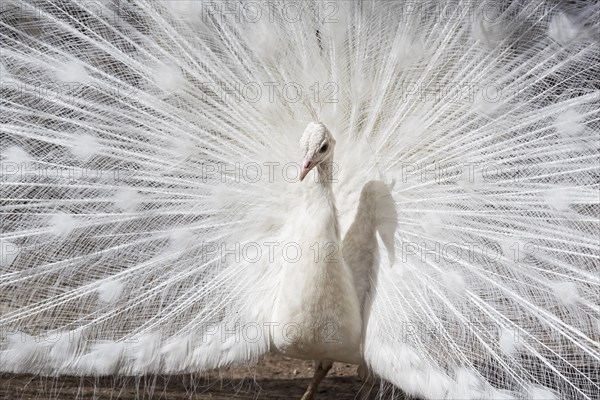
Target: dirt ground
275, 377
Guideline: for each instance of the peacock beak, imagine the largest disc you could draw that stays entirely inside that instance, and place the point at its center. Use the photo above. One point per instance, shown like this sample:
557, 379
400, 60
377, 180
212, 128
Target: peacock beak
307, 165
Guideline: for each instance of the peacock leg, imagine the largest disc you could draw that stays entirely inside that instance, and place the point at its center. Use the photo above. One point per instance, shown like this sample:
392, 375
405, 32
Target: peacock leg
367, 381
321, 369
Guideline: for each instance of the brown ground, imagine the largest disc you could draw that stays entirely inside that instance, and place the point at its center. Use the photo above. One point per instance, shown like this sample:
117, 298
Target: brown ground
275, 377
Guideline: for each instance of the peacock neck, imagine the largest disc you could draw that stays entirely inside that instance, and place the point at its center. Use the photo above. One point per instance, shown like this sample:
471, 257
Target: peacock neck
320, 200
325, 172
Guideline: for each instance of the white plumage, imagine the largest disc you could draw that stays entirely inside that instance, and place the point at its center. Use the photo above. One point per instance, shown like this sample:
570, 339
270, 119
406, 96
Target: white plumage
316, 292
153, 222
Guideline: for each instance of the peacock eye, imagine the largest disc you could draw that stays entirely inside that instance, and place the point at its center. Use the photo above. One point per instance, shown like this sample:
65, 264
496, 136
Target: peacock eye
323, 148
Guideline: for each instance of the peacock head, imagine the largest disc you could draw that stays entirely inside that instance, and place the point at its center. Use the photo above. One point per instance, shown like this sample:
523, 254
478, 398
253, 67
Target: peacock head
317, 145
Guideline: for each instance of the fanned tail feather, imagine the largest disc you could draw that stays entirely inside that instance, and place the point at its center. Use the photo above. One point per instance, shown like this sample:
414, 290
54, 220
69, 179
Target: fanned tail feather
149, 167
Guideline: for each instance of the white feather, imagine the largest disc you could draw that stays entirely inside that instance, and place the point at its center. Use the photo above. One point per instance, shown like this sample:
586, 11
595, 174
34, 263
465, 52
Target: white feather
110, 291
540, 393
570, 124
85, 146
562, 29
16, 155
169, 78
73, 72
142, 235
566, 292
127, 199
62, 224
102, 358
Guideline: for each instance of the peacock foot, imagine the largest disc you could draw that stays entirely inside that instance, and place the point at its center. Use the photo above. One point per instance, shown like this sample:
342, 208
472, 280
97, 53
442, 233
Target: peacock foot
367, 382
321, 369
